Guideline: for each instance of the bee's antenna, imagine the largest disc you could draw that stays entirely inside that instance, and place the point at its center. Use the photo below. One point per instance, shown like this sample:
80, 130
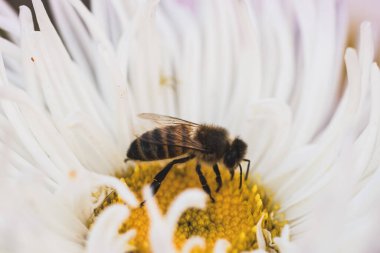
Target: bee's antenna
241, 175
248, 166
126, 160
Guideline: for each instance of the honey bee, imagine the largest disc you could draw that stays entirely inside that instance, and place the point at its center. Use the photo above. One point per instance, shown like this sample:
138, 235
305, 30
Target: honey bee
185, 140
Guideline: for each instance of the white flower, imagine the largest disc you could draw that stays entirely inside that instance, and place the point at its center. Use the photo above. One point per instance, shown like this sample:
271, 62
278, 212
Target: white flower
270, 71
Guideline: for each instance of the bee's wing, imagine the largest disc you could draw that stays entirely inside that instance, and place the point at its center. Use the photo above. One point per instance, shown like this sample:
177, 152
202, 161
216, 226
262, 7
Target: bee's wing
174, 135
173, 132
164, 120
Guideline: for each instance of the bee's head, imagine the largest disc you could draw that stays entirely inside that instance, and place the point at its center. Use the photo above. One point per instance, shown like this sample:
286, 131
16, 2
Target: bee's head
235, 153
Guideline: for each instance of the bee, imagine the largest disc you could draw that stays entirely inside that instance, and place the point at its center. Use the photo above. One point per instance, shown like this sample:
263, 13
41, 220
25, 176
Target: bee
182, 140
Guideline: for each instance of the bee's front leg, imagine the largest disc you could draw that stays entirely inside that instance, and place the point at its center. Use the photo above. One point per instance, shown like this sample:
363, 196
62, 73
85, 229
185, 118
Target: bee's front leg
204, 183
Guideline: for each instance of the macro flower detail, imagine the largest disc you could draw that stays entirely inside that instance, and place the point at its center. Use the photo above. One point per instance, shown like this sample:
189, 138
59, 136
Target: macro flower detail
277, 74
234, 215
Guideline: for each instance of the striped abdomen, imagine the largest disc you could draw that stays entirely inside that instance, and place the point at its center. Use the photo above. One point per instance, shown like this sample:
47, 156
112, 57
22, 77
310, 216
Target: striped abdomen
158, 144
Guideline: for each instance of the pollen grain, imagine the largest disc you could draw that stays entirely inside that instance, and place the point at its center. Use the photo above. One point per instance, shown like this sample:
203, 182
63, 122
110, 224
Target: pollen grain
233, 216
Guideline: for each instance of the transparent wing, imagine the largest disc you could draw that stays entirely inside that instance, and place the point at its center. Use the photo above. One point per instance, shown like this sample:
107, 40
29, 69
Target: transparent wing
180, 135
164, 120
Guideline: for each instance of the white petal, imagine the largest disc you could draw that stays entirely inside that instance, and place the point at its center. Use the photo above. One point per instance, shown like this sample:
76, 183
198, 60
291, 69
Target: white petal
104, 235
193, 242
259, 235
221, 246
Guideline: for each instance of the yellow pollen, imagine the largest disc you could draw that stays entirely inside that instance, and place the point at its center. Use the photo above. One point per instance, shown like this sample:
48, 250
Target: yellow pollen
233, 216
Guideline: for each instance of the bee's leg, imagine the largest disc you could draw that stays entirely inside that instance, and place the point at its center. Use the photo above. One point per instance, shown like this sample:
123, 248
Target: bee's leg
157, 180
126, 160
241, 175
218, 178
204, 183
248, 165
232, 173
160, 176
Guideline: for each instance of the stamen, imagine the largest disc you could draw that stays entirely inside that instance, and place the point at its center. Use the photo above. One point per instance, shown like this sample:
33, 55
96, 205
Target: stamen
234, 215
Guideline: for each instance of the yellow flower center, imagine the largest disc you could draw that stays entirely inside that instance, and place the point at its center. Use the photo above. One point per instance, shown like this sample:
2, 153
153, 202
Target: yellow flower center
233, 216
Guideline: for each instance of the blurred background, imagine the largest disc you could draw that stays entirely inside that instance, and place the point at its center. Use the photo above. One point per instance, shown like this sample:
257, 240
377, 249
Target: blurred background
16, 3
359, 11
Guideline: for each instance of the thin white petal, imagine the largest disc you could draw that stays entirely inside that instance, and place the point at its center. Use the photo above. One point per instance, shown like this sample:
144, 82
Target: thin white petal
122, 190
221, 246
193, 242
104, 235
160, 235
259, 235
